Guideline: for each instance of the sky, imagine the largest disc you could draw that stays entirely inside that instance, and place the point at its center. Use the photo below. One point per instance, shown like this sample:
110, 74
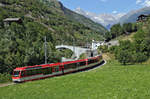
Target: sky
106, 6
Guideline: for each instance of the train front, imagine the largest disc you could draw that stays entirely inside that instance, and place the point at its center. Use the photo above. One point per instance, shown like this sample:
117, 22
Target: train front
16, 77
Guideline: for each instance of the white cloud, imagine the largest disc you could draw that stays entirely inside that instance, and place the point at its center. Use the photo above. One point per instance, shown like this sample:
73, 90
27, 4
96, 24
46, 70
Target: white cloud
114, 12
147, 3
119, 15
138, 1
103, 0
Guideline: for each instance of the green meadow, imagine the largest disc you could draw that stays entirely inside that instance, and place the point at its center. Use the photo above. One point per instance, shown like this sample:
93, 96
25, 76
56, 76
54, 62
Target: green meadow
111, 81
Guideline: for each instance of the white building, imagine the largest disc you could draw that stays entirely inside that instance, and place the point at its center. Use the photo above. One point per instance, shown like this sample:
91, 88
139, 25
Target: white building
96, 44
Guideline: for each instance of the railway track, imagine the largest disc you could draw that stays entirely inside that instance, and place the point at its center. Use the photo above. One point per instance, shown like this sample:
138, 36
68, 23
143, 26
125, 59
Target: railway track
6, 84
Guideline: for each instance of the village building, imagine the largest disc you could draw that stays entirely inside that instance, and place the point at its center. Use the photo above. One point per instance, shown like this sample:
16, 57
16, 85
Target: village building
8, 21
96, 44
142, 17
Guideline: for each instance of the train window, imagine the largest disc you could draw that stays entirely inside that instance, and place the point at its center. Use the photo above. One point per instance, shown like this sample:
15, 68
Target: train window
69, 66
38, 71
74, 65
90, 61
16, 73
25, 73
31, 72
28, 72
47, 70
82, 63
44, 70
22, 73
34, 72
97, 60
66, 66
56, 69
50, 70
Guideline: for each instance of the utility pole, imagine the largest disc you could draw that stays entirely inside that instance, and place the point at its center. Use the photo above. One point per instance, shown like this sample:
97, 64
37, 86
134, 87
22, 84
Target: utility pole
45, 48
74, 46
86, 42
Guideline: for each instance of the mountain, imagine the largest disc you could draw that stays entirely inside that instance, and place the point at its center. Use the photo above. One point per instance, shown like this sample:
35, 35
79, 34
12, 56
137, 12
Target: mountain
82, 19
132, 15
107, 20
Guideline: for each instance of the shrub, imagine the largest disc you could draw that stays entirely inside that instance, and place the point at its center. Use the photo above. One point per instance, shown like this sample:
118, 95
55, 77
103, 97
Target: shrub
5, 78
83, 56
103, 48
112, 49
140, 57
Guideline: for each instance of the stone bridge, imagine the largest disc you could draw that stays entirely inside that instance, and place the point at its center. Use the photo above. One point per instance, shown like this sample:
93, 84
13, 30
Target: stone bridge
77, 50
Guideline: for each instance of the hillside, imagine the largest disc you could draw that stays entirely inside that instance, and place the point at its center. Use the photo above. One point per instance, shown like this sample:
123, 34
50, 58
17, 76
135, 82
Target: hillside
134, 42
22, 43
56, 18
125, 37
132, 15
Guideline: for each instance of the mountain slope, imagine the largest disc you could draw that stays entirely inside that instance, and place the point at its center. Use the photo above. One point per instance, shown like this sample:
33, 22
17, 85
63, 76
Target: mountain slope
83, 20
132, 16
22, 44
76, 17
53, 15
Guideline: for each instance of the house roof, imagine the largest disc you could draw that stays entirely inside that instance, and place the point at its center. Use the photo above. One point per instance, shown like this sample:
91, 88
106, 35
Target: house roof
12, 19
145, 15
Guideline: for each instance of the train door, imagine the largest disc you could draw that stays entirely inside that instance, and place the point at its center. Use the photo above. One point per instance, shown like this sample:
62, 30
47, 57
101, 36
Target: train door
62, 69
78, 65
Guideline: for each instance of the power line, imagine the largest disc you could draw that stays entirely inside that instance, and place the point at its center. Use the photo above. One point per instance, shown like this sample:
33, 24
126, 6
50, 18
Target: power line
45, 48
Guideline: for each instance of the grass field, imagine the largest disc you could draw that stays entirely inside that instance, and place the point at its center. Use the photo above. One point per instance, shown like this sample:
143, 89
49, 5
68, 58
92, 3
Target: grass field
111, 81
126, 37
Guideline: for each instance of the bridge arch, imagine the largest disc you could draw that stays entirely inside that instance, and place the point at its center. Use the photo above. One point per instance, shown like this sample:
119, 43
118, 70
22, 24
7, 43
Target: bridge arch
77, 50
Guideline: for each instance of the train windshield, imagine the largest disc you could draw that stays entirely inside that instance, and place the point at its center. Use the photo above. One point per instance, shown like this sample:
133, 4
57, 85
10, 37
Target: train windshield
16, 73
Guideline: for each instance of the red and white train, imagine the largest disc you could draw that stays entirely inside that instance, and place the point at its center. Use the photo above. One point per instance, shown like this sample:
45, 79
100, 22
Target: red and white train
29, 73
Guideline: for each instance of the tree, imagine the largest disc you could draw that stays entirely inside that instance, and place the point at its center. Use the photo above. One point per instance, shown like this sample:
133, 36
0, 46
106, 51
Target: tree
127, 28
103, 48
134, 27
116, 30
124, 52
108, 36
124, 56
139, 57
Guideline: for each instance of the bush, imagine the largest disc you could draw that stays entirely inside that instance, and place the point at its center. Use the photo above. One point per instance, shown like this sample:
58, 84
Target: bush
124, 52
5, 78
83, 56
140, 57
124, 57
112, 49
103, 48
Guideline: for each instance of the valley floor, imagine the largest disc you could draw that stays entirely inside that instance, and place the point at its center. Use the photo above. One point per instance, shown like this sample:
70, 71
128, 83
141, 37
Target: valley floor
111, 81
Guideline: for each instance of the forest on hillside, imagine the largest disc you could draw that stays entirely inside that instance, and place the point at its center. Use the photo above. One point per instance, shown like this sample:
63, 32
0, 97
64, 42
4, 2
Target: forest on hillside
135, 50
23, 44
